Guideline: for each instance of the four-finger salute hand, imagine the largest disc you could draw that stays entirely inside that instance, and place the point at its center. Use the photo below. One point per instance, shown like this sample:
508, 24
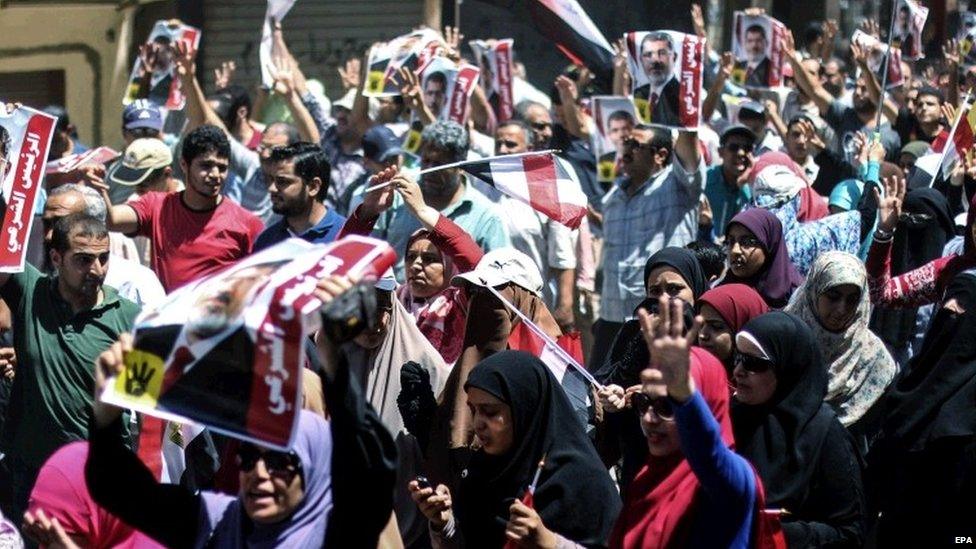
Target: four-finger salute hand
670, 347
109, 364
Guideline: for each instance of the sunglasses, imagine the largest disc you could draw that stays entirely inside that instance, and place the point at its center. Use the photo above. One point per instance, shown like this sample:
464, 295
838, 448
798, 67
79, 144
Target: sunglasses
753, 364
735, 148
661, 405
283, 465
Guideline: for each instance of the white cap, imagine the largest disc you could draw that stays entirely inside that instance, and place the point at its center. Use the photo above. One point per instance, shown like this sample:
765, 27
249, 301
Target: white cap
503, 266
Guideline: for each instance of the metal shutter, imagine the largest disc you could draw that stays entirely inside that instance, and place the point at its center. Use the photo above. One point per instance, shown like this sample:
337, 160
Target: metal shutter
320, 33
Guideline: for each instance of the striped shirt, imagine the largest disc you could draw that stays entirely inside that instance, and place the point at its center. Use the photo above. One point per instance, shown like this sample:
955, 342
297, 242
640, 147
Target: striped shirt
663, 212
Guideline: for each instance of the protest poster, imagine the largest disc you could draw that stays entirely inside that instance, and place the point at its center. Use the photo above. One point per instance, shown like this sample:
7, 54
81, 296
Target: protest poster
25, 138
153, 74
615, 117
495, 62
447, 88
666, 69
910, 19
101, 155
410, 50
967, 24
876, 50
275, 12
757, 44
227, 351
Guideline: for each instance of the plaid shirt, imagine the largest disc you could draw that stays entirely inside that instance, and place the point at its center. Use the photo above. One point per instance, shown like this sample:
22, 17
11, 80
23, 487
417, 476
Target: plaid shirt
663, 212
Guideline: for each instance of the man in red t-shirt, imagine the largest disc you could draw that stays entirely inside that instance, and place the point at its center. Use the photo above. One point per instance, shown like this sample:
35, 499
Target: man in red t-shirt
195, 232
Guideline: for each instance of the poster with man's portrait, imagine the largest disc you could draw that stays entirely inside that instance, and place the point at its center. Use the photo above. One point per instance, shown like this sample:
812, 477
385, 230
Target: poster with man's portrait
966, 34
447, 88
666, 70
25, 138
757, 44
409, 50
153, 74
615, 118
876, 50
910, 19
495, 62
228, 351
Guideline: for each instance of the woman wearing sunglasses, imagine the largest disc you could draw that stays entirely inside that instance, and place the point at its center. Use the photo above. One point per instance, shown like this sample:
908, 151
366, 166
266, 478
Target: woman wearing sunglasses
333, 488
804, 456
694, 490
671, 272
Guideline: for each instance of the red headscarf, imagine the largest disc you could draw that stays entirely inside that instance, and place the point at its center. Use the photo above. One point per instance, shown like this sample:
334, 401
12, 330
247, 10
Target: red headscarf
662, 495
736, 303
61, 492
812, 205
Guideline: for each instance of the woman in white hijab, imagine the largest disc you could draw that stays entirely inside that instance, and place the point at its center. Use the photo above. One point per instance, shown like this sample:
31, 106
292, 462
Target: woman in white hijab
834, 302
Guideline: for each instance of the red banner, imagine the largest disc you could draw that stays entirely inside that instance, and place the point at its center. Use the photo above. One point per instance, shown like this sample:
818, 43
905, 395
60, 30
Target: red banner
467, 77
691, 81
30, 135
503, 69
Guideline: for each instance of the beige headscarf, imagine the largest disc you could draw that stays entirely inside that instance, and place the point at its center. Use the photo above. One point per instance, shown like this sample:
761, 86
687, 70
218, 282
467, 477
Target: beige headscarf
859, 365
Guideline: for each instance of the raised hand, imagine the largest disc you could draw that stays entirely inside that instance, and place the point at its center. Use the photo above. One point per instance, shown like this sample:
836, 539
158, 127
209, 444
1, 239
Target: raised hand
726, 65
567, 88
284, 77
109, 364
612, 398
812, 136
698, 20
379, 200
951, 52
789, 45
889, 207
620, 53
871, 27
148, 58
410, 89
669, 347
949, 112
224, 74
184, 58
350, 73
46, 532
858, 54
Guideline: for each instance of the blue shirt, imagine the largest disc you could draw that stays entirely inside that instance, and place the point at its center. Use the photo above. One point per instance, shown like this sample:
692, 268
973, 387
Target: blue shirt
725, 200
474, 213
323, 232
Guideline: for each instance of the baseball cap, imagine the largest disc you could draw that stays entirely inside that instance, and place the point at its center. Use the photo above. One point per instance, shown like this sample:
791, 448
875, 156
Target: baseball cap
380, 144
346, 101
503, 266
142, 113
140, 159
737, 129
753, 107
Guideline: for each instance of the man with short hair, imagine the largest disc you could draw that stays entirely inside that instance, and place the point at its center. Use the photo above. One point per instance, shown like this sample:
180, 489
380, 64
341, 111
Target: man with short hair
924, 122
131, 279
447, 191
726, 185
798, 146
654, 204
537, 116
61, 323
195, 232
658, 101
435, 92
298, 184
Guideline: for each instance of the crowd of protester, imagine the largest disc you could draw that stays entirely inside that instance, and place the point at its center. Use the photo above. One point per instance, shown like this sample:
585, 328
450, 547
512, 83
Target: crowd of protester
780, 314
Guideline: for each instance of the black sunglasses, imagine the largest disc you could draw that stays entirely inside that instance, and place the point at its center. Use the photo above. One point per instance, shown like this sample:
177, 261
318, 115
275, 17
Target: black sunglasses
661, 405
283, 465
753, 364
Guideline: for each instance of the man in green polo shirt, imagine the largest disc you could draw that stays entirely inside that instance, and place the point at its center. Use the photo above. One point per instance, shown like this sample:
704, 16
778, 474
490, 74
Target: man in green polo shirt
61, 323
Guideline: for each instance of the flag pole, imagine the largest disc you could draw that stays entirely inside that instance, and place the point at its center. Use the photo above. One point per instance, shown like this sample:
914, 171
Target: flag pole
884, 70
466, 163
952, 134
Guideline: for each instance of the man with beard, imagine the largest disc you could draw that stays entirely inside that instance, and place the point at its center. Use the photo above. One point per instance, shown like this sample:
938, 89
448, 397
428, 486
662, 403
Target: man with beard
447, 191
194, 232
61, 323
845, 120
658, 101
435, 93
726, 184
297, 182
757, 63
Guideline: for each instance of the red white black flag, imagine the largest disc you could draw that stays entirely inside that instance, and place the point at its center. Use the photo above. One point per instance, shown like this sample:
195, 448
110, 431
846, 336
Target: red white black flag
565, 23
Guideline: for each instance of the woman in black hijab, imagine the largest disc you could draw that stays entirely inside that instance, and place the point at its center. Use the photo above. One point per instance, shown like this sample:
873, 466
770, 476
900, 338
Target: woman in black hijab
521, 418
673, 271
804, 456
922, 471
924, 227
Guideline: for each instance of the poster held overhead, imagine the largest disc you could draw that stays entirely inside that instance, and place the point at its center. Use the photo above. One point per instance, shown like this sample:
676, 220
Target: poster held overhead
666, 69
228, 351
757, 44
909, 22
495, 62
153, 74
615, 117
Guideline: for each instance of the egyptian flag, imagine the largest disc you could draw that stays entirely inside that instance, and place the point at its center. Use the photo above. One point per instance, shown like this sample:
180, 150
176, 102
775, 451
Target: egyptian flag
540, 179
565, 23
960, 139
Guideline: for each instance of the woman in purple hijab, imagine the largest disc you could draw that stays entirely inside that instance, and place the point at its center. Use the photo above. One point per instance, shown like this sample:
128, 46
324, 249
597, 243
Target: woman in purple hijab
758, 257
